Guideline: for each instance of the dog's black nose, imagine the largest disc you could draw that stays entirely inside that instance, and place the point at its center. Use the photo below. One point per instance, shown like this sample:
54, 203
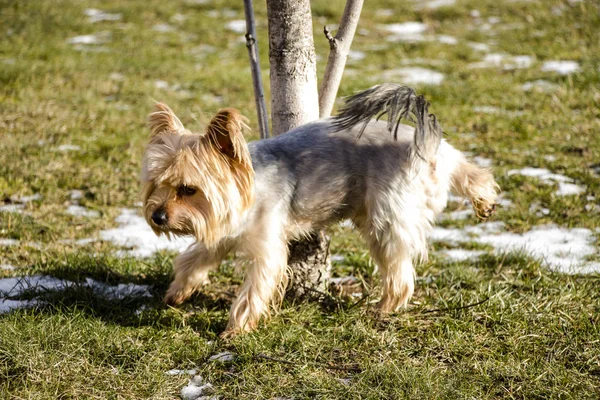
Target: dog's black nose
159, 216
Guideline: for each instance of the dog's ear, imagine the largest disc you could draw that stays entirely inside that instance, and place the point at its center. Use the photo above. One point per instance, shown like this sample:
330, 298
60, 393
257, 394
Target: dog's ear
225, 132
164, 121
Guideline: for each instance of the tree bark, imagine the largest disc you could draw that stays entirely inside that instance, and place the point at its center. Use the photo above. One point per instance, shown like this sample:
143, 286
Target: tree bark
340, 47
294, 94
295, 101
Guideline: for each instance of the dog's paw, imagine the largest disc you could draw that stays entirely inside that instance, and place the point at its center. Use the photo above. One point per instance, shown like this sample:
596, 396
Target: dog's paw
175, 296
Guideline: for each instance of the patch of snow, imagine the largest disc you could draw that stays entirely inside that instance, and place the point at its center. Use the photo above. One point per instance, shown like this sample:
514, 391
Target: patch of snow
347, 223
68, 147
566, 187
12, 208
504, 61
8, 242
384, 12
562, 67
80, 211
93, 39
482, 161
497, 110
433, 4
225, 356
461, 254
539, 85
406, 31
95, 15
179, 18
413, 76
550, 158
337, 258
76, 195
237, 26
355, 55
562, 249
163, 28
28, 199
134, 232
16, 286
447, 39
196, 389
7, 267
117, 76
479, 46
159, 84
475, 13
174, 372
459, 214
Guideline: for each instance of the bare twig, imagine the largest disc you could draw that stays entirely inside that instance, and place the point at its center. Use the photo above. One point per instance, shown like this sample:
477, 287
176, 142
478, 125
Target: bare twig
340, 46
259, 94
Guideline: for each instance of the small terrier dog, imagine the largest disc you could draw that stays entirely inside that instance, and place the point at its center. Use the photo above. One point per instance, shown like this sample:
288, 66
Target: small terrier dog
254, 198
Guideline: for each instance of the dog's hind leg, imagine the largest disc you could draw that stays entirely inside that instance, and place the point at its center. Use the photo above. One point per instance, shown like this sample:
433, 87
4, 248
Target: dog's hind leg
191, 272
397, 273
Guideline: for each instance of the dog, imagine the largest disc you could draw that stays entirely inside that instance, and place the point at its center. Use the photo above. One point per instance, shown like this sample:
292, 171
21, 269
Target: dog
390, 179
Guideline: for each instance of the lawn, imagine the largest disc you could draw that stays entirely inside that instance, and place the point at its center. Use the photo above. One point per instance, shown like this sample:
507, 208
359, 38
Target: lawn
508, 308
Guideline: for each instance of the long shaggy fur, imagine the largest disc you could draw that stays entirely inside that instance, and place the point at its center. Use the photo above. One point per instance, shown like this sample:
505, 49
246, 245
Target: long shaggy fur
253, 199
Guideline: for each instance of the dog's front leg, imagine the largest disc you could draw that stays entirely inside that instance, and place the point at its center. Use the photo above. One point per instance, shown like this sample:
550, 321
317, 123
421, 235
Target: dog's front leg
264, 282
191, 270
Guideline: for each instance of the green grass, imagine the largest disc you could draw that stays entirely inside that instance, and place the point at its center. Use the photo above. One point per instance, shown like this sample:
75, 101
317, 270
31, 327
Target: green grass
535, 333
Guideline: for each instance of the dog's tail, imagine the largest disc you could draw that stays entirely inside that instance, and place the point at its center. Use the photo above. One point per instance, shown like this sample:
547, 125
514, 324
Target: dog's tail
399, 103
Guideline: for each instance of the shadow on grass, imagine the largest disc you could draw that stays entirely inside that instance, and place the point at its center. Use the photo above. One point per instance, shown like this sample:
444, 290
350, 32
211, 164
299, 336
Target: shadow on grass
123, 291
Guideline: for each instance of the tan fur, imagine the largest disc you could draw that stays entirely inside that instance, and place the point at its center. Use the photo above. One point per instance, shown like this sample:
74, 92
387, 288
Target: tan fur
232, 210
478, 185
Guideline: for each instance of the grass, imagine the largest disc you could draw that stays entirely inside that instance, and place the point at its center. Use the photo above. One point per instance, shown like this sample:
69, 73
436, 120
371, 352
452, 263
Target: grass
533, 333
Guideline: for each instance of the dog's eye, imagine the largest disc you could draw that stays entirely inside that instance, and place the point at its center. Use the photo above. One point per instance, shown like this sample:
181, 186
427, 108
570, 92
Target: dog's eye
184, 190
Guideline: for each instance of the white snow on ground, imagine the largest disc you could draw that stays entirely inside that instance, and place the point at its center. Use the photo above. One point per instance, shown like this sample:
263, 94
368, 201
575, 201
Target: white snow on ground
13, 208
7, 267
8, 242
197, 389
355, 55
13, 287
134, 232
412, 76
446, 39
174, 372
237, 26
80, 211
406, 31
497, 110
562, 67
539, 85
95, 15
163, 28
504, 61
482, 161
561, 249
461, 254
479, 46
222, 357
432, 4
68, 147
566, 187
93, 39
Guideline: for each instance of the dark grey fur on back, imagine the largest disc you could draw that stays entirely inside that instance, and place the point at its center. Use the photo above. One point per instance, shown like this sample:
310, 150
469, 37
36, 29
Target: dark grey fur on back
399, 103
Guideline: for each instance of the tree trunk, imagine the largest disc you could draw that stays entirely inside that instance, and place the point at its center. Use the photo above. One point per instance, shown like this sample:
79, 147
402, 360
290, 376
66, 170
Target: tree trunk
295, 101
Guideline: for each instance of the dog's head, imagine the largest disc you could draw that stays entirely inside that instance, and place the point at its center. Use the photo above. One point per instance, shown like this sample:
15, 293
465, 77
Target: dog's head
196, 184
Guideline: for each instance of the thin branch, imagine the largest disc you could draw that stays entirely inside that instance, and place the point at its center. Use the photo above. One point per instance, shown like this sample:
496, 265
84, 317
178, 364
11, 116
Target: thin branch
259, 94
340, 46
